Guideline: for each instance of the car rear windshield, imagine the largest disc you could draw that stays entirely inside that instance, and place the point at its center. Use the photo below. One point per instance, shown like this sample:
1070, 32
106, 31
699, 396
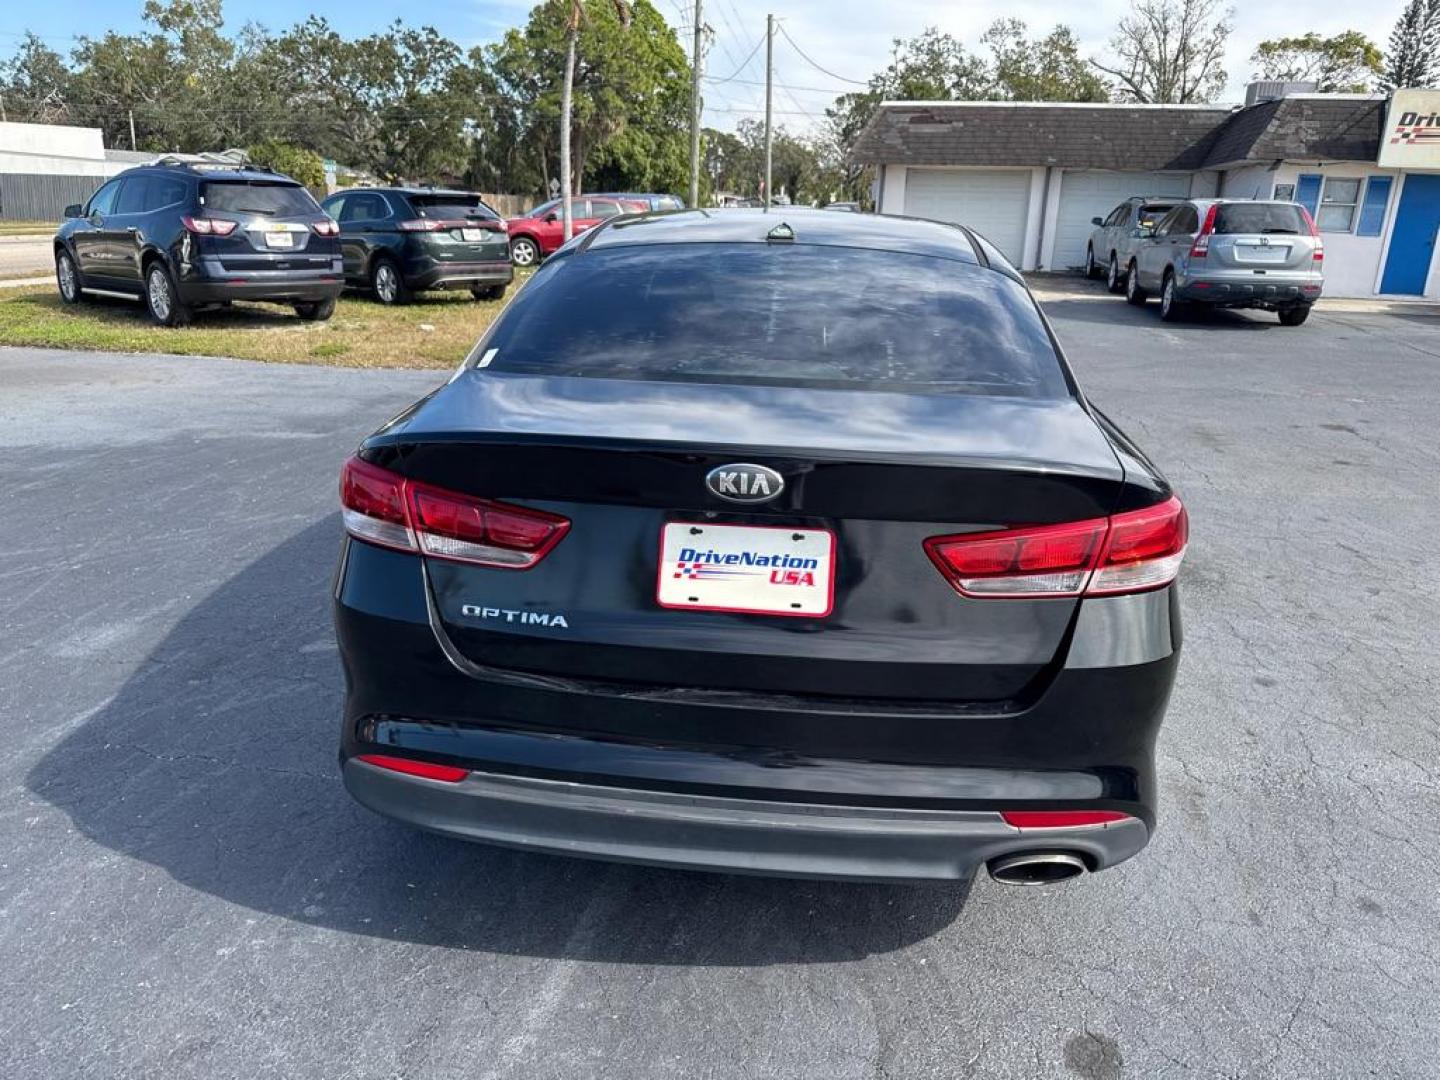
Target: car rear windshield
1259, 218
451, 206
793, 315
258, 197
1151, 213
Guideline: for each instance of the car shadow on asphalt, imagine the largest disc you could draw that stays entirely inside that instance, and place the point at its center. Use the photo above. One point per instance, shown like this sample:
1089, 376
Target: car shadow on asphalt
1097, 310
216, 763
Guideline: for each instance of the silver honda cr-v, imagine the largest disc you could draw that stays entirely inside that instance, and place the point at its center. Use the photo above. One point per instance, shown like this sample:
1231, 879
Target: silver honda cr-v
1231, 253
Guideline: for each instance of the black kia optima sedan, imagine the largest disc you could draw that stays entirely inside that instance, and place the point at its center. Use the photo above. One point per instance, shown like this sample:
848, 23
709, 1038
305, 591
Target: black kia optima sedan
781, 542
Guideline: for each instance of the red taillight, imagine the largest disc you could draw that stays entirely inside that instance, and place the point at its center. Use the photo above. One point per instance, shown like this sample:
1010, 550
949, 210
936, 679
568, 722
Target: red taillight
327, 227
387, 509
1319, 254
1201, 248
1051, 560
422, 225
1128, 552
1061, 819
206, 226
429, 770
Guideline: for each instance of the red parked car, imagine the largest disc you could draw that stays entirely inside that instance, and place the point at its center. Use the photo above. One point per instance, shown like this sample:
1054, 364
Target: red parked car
540, 231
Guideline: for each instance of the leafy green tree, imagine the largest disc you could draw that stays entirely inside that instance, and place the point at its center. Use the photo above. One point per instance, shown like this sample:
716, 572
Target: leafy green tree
630, 108
1414, 57
1042, 69
1348, 62
35, 84
294, 161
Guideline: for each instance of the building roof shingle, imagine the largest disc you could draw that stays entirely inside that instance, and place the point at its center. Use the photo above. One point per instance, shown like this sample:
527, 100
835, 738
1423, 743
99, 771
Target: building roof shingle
1148, 138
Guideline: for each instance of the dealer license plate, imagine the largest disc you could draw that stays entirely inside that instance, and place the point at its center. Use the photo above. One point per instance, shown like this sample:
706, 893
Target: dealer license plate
754, 569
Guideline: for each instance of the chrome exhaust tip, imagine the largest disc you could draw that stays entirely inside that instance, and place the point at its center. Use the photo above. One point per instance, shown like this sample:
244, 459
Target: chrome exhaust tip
1036, 867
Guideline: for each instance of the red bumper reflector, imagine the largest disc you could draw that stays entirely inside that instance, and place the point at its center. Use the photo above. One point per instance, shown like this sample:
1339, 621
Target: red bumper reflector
1060, 819
430, 771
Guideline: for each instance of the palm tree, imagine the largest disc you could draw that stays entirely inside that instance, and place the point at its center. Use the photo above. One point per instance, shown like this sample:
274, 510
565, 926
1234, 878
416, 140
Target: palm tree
572, 38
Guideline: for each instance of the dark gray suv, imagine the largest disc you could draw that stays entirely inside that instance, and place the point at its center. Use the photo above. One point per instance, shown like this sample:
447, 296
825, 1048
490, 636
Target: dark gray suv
1230, 253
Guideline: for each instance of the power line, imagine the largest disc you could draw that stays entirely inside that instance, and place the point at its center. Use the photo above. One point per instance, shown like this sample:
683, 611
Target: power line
817, 67
786, 86
747, 60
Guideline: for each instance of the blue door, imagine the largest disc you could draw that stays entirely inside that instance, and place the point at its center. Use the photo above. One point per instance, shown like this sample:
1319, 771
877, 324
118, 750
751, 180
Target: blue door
1412, 242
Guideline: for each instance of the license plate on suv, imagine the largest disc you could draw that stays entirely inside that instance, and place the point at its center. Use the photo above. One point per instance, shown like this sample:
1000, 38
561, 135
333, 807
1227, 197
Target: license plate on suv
472, 236
279, 238
751, 569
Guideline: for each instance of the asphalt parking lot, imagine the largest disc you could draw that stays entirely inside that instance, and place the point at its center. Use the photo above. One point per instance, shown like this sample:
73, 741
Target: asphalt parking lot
186, 891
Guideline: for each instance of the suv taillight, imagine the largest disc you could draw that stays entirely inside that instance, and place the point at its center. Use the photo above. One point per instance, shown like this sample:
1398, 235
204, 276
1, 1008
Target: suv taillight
326, 227
1124, 553
421, 225
1201, 248
388, 509
206, 226
1319, 254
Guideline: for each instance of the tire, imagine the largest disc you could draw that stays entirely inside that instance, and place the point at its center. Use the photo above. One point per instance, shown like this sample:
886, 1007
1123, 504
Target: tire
1172, 309
1294, 316
162, 299
1134, 294
524, 251
1090, 268
67, 278
1114, 280
316, 310
387, 284
488, 292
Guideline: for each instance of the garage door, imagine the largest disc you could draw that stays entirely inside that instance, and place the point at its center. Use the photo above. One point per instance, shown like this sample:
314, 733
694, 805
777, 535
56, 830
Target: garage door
993, 202
1087, 194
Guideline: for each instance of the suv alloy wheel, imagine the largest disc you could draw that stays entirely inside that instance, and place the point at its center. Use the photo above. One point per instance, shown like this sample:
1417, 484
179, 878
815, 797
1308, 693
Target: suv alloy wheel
67, 277
524, 251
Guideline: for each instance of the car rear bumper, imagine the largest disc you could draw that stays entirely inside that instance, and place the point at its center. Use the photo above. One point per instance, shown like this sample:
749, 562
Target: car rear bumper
1250, 293
209, 283
849, 789
428, 273
726, 834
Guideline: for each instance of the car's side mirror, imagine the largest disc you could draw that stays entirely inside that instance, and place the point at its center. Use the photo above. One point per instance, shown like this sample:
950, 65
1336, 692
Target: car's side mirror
552, 216
1097, 221
74, 210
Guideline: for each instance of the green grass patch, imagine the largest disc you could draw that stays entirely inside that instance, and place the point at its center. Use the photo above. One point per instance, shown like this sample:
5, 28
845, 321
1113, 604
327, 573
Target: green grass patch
28, 228
362, 333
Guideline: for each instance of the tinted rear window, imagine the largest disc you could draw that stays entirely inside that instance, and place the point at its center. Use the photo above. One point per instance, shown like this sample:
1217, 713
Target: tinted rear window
451, 206
257, 197
1259, 218
1151, 213
779, 314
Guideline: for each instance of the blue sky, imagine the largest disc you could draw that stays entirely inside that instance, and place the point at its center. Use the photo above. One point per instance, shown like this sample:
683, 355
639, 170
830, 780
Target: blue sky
850, 38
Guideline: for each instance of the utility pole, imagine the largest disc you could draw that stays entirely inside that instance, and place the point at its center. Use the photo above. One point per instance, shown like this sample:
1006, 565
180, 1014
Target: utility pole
571, 36
769, 73
132, 128
695, 113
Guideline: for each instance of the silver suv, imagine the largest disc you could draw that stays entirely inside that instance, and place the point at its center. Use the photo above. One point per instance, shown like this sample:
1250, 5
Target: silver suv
1230, 253
1117, 236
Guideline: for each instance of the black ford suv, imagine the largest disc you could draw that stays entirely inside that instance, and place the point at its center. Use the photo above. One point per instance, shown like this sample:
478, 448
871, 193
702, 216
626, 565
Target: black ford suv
400, 241
187, 234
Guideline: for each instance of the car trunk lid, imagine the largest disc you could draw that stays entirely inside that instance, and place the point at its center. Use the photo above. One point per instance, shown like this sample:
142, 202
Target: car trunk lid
873, 475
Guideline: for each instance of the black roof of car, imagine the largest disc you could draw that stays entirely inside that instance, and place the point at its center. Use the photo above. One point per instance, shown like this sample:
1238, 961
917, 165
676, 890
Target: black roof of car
240, 174
915, 236
414, 190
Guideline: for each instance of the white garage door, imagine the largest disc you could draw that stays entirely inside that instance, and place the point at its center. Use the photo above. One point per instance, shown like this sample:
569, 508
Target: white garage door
1089, 194
993, 202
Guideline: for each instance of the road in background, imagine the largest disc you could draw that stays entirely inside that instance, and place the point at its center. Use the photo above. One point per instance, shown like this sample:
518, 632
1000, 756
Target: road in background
25, 254
188, 892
